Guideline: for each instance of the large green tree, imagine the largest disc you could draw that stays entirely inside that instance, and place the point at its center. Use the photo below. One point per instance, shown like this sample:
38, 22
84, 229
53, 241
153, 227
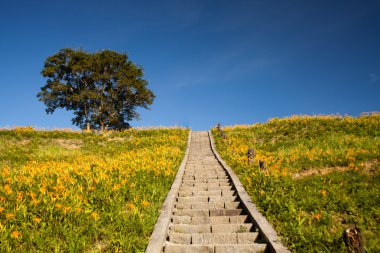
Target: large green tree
103, 89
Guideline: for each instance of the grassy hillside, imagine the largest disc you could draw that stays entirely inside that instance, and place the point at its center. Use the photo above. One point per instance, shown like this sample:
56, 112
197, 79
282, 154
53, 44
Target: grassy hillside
84, 192
322, 176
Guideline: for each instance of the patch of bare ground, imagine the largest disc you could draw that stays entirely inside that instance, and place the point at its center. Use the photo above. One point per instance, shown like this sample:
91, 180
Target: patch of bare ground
370, 168
17, 142
24, 142
116, 139
99, 246
120, 139
69, 143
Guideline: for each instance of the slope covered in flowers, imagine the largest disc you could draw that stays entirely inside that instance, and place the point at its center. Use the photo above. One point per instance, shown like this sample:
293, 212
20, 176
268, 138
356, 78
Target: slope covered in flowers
72, 191
321, 177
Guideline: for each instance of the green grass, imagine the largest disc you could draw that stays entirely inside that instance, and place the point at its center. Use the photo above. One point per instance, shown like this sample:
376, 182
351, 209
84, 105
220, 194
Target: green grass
63, 191
310, 212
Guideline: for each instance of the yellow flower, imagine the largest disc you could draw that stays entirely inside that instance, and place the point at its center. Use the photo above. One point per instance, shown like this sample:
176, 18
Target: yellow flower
37, 220
32, 195
8, 189
145, 203
95, 215
15, 234
131, 206
2, 209
323, 192
318, 216
116, 187
10, 216
20, 195
66, 209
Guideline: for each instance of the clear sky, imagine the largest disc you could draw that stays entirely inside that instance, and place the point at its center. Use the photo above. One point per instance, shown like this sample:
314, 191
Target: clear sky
234, 62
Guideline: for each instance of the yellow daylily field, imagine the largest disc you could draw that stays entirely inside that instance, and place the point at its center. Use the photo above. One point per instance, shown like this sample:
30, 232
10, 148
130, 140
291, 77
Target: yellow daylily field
76, 191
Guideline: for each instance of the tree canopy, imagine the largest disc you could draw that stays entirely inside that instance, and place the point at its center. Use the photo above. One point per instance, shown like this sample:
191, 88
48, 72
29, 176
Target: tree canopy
103, 89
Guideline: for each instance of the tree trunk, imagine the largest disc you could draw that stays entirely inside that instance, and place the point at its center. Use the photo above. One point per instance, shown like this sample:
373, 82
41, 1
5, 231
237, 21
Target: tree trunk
88, 127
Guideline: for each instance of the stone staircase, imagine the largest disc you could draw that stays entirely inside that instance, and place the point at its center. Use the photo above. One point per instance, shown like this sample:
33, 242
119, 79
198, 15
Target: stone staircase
208, 215
208, 210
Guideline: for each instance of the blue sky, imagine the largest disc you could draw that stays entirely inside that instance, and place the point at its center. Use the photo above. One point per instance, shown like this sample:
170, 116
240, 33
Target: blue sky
234, 62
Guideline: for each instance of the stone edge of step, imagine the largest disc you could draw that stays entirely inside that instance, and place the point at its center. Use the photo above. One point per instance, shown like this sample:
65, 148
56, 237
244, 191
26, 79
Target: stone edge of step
158, 236
267, 231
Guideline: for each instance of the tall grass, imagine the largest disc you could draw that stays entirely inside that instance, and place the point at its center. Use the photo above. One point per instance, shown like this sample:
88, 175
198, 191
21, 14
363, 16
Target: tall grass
84, 192
311, 210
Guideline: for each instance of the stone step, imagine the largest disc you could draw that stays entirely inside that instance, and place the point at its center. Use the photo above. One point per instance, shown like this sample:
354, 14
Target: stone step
194, 176
180, 238
181, 219
231, 202
197, 220
194, 192
208, 205
205, 180
198, 162
204, 170
204, 177
214, 238
220, 220
223, 198
229, 193
205, 188
192, 188
212, 228
232, 228
242, 248
192, 199
207, 193
192, 212
190, 229
187, 219
209, 170
238, 219
200, 193
179, 248
195, 184
218, 248
226, 212
210, 220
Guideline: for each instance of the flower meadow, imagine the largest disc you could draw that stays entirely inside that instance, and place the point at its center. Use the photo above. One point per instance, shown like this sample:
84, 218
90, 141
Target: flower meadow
321, 176
67, 191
